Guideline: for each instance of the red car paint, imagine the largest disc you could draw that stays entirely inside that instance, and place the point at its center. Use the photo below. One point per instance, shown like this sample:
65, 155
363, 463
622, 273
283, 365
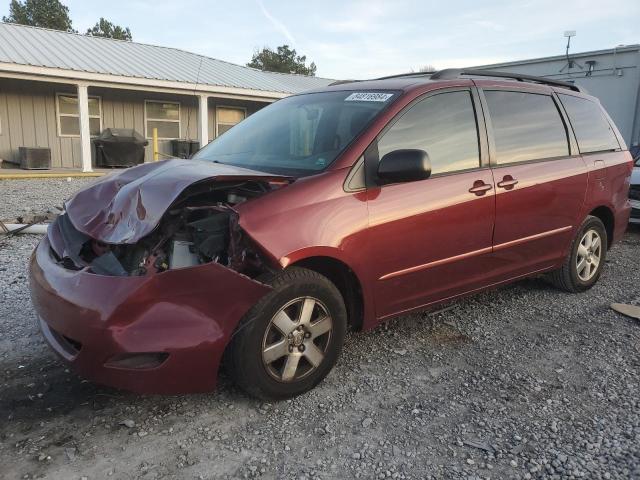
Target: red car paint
409, 245
179, 312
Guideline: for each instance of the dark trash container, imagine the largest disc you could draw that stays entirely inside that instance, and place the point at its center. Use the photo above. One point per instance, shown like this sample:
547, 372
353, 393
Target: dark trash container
119, 147
184, 148
35, 158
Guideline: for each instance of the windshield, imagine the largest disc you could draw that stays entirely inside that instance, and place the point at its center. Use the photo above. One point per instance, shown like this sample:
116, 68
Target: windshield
298, 135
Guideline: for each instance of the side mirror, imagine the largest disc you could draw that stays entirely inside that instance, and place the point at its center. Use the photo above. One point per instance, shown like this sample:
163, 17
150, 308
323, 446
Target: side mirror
404, 166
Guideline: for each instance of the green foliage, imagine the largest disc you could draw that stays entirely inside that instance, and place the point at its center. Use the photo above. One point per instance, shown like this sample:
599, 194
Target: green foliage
106, 29
40, 13
284, 60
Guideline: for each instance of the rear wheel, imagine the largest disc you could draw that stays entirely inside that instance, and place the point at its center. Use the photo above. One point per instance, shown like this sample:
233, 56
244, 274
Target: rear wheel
583, 265
290, 340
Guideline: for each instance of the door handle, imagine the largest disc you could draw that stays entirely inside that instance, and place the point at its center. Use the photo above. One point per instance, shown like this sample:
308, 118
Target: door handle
480, 188
508, 182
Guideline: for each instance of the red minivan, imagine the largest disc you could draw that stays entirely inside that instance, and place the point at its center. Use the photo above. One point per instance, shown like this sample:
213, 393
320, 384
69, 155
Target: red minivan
334, 209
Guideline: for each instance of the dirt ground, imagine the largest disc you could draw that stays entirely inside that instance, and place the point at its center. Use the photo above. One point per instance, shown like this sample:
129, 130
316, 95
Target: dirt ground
521, 382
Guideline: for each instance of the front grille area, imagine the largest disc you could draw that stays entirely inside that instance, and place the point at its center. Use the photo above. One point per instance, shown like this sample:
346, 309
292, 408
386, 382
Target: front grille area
634, 192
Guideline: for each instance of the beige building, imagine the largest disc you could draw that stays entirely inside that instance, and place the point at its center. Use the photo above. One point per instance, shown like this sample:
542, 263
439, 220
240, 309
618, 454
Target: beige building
59, 90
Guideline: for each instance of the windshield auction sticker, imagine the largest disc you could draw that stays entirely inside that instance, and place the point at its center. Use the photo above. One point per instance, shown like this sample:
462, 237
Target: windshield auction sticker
368, 97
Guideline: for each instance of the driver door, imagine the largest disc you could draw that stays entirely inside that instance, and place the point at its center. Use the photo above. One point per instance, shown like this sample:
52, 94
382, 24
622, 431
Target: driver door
432, 239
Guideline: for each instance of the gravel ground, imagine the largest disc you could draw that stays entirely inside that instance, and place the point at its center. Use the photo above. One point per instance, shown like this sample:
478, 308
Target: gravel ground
522, 382
23, 197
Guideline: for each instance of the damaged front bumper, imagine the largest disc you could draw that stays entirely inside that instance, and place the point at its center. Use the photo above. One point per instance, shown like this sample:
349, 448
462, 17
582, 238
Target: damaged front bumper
162, 333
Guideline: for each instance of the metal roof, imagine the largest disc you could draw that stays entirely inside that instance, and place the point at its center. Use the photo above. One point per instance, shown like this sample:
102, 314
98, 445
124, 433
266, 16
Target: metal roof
23, 45
618, 49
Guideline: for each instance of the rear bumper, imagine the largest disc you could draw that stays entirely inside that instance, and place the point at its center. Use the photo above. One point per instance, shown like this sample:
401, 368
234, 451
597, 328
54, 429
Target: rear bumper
188, 315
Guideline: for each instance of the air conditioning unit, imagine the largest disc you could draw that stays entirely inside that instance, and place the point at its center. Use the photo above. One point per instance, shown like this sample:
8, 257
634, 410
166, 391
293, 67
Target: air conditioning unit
35, 158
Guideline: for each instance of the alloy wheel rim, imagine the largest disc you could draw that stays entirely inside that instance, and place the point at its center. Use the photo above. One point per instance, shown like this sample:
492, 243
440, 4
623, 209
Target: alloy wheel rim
589, 255
296, 340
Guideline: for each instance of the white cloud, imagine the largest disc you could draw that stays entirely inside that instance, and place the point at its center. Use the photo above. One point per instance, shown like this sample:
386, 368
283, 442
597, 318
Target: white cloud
278, 25
357, 17
370, 38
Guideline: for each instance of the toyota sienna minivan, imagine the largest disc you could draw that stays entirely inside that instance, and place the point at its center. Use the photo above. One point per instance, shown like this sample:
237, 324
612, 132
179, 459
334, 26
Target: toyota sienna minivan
330, 210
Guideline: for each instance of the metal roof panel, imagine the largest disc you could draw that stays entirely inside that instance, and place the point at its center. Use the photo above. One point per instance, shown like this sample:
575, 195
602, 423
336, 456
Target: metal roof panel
23, 45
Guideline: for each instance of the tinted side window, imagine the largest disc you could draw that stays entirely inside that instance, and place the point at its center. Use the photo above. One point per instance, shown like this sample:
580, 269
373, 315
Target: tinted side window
444, 125
526, 126
593, 132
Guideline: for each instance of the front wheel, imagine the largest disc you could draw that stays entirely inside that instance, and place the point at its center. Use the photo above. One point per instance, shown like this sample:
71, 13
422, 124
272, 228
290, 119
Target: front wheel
290, 340
583, 266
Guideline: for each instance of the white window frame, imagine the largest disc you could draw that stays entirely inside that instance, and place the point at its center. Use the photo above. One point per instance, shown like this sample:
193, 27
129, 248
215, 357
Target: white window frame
148, 134
60, 114
231, 107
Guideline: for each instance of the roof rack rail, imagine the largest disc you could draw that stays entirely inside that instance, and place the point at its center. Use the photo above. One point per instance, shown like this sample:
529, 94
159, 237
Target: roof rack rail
341, 82
452, 73
410, 74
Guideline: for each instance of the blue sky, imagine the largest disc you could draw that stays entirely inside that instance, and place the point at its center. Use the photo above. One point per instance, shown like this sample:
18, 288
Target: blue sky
361, 39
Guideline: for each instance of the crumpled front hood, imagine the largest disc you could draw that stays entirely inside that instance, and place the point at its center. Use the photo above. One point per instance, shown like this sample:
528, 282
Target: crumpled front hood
126, 206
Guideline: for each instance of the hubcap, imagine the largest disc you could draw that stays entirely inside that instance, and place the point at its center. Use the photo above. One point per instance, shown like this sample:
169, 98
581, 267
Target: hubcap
296, 339
589, 255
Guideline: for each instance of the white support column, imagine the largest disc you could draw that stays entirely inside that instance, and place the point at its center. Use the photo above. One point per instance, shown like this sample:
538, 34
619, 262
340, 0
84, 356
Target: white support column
203, 120
85, 133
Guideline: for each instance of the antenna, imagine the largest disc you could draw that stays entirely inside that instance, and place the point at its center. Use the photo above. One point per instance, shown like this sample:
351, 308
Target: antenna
570, 63
195, 92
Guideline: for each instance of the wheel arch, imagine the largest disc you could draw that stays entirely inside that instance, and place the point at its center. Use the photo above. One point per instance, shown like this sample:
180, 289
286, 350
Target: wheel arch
605, 214
346, 281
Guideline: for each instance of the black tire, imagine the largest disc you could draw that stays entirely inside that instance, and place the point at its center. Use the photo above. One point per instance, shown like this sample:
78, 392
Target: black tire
244, 354
566, 277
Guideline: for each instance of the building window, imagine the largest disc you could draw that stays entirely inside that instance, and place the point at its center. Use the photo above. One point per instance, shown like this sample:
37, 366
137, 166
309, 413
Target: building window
69, 117
165, 116
227, 117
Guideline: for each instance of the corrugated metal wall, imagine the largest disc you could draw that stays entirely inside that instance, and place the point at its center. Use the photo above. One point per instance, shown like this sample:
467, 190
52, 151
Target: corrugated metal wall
28, 118
615, 80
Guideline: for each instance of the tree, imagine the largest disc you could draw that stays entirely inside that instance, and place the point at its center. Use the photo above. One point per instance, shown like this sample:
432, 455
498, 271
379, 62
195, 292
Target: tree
106, 29
40, 13
284, 60
427, 69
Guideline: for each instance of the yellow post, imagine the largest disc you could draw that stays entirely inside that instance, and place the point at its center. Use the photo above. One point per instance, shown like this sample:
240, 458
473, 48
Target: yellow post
156, 153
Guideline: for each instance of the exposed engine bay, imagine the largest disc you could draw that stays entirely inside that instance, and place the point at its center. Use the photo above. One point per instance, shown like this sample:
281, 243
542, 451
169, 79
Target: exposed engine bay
201, 226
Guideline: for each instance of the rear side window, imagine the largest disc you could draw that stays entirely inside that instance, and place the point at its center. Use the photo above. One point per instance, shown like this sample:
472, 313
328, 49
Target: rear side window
593, 132
526, 126
443, 125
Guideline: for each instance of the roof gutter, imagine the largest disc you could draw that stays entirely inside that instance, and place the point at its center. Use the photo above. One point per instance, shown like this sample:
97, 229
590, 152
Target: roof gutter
622, 49
58, 75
